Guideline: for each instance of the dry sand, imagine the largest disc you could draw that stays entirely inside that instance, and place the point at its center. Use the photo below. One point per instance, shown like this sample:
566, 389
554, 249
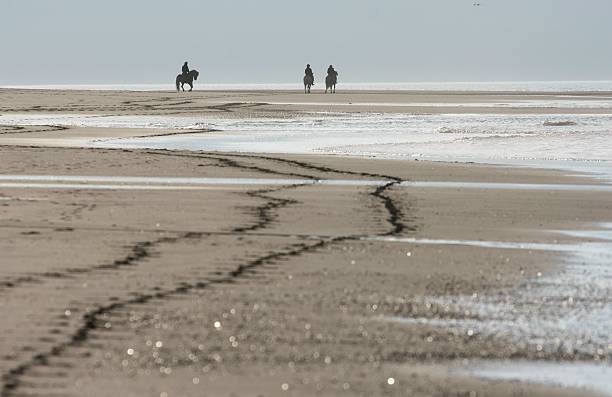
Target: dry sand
253, 290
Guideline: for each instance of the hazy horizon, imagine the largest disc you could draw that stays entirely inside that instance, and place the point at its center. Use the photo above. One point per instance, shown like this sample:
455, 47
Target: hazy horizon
240, 41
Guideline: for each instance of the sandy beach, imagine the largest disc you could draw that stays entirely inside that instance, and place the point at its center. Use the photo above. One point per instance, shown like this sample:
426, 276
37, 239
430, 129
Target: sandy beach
156, 272
271, 103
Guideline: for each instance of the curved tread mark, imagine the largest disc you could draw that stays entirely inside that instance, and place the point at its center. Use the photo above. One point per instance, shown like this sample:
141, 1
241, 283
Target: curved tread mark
91, 320
265, 212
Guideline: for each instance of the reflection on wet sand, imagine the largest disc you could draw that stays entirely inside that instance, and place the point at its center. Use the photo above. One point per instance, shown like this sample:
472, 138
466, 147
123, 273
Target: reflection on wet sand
566, 314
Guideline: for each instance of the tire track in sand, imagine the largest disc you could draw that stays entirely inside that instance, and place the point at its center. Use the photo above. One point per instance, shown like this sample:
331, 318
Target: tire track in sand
93, 320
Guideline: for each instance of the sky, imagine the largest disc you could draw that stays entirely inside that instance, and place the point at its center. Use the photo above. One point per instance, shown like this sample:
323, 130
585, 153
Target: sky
270, 41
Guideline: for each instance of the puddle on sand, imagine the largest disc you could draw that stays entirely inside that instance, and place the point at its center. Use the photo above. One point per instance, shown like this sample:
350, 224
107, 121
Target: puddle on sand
569, 312
477, 243
149, 180
565, 315
559, 103
182, 182
3, 198
97, 186
507, 186
579, 375
604, 234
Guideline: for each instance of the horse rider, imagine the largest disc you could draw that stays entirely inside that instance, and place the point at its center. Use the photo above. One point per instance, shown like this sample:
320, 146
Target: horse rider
185, 69
331, 71
309, 72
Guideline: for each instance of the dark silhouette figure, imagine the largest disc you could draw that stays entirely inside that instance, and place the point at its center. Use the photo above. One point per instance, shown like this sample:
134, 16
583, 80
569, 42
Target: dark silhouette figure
308, 79
185, 69
331, 80
308, 72
188, 78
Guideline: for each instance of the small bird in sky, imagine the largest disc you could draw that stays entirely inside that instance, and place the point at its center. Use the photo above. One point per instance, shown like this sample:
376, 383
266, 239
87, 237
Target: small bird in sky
476, 4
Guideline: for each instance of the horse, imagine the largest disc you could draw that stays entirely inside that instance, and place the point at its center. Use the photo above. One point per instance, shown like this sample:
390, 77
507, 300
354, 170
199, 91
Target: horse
181, 80
308, 82
330, 82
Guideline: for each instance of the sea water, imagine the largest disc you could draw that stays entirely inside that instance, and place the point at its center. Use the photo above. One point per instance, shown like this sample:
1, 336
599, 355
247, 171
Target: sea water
575, 142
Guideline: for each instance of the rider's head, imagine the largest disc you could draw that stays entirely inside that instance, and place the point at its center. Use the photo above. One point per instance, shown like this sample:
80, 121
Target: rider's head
185, 62
308, 65
331, 66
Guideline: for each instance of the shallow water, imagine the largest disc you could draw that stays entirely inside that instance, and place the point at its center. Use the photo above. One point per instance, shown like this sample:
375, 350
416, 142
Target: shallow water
98, 186
500, 139
478, 243
507, 186
178, 183
560, 102
588, 376
523, 140
568, 312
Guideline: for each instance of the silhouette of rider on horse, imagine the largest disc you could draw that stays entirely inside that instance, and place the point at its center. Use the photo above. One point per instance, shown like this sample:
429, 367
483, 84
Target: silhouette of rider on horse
332, 72
331, 79
308, 72
186, 77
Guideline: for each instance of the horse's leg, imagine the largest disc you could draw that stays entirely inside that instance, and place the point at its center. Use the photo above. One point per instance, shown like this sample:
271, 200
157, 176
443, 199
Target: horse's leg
190, 87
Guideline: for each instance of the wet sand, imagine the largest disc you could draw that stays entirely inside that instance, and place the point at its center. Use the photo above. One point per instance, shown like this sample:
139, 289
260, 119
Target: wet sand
286, 103
260, 290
